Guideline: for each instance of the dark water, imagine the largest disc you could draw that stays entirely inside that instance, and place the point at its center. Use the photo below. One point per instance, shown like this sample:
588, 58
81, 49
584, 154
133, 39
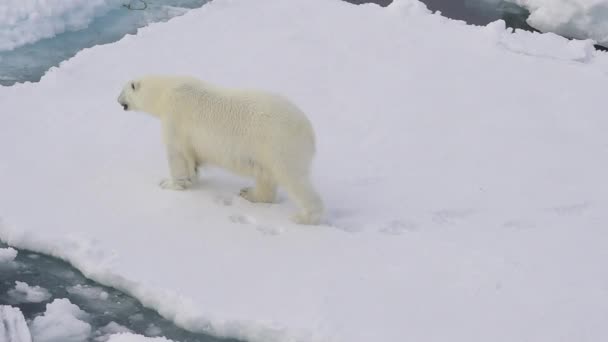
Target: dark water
60, 279
475, 12
480, 12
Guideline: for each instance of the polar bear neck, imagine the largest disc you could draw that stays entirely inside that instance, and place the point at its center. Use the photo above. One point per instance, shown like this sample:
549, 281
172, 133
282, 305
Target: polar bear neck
152, 93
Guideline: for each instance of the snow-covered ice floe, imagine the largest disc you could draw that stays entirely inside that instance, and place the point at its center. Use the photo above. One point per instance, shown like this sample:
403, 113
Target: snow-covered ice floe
463, 169
582, 19
13, 327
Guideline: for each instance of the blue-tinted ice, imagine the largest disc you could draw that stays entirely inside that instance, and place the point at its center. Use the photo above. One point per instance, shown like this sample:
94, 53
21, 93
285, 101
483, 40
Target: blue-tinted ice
108, 309
30, 62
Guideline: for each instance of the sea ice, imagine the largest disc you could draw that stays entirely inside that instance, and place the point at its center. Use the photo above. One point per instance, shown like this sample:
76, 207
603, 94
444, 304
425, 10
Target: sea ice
13, 327
61, 322
24, 293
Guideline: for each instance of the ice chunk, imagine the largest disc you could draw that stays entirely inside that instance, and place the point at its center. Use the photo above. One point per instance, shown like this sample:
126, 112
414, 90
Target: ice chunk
7, 255
582, 19
24, 293
103, 334
153, 330
408, 7
61, 322
136, 338
12, 325
88, 292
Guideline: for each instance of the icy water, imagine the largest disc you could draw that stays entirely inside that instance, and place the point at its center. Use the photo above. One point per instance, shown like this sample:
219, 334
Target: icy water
482, 12
475, 12
103, 304
30, 62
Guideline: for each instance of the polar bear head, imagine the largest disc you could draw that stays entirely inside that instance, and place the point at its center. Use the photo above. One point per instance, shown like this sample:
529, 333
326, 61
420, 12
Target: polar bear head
131, 97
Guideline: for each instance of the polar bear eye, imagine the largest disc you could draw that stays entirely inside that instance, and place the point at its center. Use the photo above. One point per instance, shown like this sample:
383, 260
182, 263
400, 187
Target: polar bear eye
133, 85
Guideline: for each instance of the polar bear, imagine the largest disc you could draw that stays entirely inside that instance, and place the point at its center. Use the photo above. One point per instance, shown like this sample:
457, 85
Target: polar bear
252, 133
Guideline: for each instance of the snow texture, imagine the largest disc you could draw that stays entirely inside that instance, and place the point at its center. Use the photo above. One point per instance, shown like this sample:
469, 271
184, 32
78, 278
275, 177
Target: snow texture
27, 21
13, 327
7, 255
24, 293
61, 322
582, 19
153, 330
126, 337
463, 169
110, 329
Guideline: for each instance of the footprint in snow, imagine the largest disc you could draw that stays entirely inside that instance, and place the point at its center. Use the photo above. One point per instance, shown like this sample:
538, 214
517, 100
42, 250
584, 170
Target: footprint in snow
223, 200
447, 216
270, 230
576, 209
398, 227
264, 229
518, 224
242, 219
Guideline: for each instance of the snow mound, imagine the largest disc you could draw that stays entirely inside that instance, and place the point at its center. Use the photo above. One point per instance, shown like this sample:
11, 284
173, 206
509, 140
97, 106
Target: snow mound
27, 21
126, 337
104, 334
7, 255
24, 293
542, 45
13, 327
581, 19
61, 322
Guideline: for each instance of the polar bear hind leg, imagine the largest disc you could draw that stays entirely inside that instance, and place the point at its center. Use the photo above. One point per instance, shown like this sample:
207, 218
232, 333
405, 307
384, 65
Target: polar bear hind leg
265, 191
300, 190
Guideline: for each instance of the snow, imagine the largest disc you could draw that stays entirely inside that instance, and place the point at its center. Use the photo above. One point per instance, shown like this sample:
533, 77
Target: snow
24, 293
13, 327
582, 19
27, 21
543, 45
463, 169
7, 255
153, 330
61, 322
110, 329
136, 338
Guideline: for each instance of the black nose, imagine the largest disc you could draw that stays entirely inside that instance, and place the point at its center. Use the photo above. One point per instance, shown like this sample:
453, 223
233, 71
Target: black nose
125, 106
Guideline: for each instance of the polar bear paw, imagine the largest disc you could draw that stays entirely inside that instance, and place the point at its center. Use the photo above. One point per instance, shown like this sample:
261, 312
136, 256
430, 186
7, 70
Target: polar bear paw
254, 196
175, 184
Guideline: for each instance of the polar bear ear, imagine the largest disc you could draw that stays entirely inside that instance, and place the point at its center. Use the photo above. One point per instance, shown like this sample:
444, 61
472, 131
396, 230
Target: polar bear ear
134, 85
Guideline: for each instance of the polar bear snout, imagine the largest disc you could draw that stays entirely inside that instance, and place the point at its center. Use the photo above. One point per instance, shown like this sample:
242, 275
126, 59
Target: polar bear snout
123, 103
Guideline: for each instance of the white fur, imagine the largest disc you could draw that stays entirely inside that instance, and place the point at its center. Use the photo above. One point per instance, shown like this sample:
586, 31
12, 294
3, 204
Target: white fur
252, 133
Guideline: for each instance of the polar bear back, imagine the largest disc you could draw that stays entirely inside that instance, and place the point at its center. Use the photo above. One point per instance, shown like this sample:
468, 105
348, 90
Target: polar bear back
230, 127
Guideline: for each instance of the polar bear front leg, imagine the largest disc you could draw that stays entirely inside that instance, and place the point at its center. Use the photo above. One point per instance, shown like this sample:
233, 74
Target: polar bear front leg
182, 169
